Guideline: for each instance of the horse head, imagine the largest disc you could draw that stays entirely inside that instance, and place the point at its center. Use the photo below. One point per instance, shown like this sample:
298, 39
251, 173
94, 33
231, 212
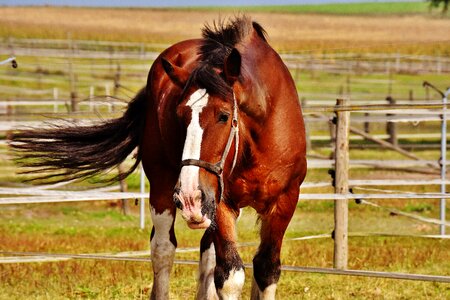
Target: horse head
208, 112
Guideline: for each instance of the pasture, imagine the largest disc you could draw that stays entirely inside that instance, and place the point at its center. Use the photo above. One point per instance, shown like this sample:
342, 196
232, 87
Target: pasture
100, 227
317, 33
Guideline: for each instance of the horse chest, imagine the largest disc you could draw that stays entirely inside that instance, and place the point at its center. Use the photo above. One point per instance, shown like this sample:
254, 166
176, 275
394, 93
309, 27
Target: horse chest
257, 190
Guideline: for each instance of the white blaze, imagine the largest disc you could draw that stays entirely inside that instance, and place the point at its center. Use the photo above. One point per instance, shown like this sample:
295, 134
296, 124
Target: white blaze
189, 175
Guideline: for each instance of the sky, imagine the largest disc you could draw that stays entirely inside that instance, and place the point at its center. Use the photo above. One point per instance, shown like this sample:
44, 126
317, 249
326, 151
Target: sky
165, 3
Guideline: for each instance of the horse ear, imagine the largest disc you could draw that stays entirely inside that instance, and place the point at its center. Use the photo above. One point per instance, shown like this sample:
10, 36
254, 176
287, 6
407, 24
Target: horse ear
232, 66
178, 75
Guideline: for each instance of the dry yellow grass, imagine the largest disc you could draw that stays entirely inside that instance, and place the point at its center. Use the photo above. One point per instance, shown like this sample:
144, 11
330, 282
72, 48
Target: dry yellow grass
414, 33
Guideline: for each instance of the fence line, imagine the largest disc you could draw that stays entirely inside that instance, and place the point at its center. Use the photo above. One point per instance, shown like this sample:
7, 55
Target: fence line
288, 55
88, 196
45, 257
328, 163
417, 108
377, 182
58, 197
408, 215
334, 62
8, 60
376, 274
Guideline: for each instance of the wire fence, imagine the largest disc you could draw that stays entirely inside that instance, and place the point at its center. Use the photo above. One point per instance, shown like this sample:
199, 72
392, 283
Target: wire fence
14, 257
331, 63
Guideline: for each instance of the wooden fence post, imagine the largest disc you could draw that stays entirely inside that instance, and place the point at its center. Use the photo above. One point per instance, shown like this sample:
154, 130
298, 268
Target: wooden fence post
341, 187
108, 98
123, 188
366, 123
116, 85
55, 99
391, 127
72, 77
91, 98
443, 160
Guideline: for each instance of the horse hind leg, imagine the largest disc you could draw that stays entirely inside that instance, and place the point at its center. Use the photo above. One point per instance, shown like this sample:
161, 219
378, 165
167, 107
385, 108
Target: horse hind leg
163, 245
266, 272
266, 263
163, 242
206, 288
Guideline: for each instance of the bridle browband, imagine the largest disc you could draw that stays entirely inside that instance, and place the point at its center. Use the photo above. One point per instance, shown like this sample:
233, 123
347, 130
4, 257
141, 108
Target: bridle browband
217, 168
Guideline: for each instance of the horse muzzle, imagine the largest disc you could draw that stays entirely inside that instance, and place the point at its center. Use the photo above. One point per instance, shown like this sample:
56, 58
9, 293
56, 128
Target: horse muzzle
192, 211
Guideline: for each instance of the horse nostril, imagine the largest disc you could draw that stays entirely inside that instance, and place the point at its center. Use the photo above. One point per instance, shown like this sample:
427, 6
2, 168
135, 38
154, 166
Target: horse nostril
177, 201
178, 204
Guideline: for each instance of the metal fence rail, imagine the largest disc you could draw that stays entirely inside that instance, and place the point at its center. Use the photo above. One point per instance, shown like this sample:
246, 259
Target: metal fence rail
375, 274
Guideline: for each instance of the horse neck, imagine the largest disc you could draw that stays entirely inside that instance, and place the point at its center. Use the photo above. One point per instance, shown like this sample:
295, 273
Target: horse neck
266, 80
268, 99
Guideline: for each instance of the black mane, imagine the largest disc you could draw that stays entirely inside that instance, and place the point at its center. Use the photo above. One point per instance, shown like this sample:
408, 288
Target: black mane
220, 38
218, 41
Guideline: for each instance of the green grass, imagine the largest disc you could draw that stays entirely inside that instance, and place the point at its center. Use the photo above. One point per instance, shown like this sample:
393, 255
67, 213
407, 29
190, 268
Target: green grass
96, 228
27, 82
361, 8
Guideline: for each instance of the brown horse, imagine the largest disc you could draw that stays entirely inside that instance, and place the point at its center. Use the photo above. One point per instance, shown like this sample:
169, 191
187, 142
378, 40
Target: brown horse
218, 127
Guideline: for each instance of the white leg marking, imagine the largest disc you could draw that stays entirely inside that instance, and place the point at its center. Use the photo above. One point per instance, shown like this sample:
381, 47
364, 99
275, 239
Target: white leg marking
267, 294
192, 145
162, 254
232, 287
206, 288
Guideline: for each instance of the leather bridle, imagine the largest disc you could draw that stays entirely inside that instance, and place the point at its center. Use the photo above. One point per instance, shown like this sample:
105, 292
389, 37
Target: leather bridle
217, 168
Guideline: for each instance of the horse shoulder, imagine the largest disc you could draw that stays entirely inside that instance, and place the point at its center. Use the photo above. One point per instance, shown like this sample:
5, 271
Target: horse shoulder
162, 125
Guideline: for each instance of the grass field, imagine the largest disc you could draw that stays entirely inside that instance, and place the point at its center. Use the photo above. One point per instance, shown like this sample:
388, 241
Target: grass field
362, 8
97, 228
409, 33
37, 77
100, 227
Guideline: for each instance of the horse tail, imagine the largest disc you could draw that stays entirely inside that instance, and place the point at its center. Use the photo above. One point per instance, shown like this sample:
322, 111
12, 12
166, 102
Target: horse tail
70, 151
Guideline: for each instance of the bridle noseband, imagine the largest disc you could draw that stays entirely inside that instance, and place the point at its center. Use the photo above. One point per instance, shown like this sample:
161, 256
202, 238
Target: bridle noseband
217, 168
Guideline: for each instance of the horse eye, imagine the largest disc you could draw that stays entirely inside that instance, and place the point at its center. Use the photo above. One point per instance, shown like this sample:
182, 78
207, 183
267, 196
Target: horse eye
223, 118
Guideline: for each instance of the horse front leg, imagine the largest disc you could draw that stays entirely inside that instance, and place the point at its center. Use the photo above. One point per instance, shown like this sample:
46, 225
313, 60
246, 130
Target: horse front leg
229, 275
266, 263
206, 288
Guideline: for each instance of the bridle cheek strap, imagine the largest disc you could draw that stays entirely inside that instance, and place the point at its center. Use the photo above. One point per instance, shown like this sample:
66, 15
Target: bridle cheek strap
217, 168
